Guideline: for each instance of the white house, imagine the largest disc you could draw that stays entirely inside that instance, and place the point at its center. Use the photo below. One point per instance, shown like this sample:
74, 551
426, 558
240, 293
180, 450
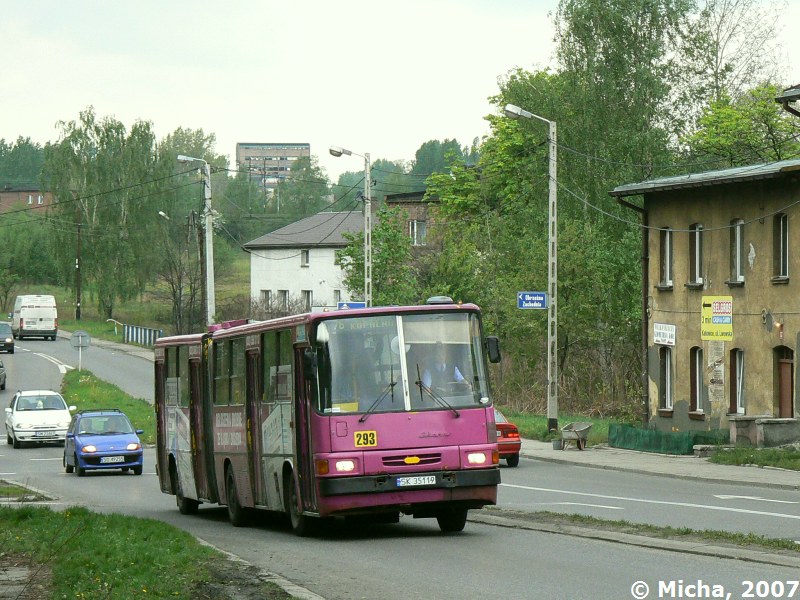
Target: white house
297, 263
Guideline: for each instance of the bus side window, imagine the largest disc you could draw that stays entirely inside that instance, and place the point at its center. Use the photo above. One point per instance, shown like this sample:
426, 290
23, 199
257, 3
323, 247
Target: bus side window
285, 370
221, 372
238, 356
270, 342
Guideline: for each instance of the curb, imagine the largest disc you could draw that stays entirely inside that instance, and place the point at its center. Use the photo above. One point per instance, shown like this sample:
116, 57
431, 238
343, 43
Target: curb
515, 520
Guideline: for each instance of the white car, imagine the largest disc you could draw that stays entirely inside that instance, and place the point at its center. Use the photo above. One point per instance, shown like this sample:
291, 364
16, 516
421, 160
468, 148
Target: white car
37, 416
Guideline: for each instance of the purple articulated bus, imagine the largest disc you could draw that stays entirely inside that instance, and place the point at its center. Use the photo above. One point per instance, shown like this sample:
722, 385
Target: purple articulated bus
370, 413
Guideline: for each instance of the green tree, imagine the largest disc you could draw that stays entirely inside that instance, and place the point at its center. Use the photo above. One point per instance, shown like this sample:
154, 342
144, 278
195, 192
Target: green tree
435, 156
726, 48
751, 129
306, 190
20, 163
106, 183
393, 273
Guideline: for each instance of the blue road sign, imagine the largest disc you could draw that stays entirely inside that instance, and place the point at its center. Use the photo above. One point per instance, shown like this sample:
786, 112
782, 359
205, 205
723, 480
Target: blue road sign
354, 304
531, 299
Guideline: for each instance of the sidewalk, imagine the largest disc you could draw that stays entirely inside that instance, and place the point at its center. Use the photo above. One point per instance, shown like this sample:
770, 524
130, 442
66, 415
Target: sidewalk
683, 467
132, 349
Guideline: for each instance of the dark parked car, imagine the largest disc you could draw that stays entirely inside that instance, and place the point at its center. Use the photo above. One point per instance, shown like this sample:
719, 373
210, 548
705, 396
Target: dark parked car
2, 376
508, 442
102, 439
6, 338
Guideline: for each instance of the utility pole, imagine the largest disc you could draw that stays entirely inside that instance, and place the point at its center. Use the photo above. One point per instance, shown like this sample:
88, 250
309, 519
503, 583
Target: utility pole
78, 277
209, 237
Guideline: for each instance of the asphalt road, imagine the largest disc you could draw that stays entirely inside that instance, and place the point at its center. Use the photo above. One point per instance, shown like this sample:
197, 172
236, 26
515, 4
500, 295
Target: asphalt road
638, 498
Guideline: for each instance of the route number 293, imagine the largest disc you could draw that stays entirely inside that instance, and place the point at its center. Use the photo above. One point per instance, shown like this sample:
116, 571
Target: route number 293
366, 438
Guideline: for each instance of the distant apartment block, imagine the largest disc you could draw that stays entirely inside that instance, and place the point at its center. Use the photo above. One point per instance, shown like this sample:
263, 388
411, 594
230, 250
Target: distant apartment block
269, 163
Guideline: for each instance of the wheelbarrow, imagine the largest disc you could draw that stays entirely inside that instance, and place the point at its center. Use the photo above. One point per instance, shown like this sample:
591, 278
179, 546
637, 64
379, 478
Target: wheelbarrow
575, 432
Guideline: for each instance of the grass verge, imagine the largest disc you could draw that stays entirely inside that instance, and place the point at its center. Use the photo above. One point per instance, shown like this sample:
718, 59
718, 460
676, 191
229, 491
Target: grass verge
534, 427
783, 458
705, 536
90, 556
10, 492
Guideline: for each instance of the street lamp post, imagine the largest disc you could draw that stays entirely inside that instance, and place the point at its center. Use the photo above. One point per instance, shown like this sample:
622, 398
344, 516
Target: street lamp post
209, 245
337, 151
515, 112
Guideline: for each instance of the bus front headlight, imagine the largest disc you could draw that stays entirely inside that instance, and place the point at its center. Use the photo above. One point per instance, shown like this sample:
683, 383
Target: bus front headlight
476, 458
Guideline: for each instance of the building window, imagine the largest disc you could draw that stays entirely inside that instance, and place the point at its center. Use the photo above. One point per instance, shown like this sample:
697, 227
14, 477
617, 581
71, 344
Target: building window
780, 247
665, 249
737, 382
665, 378
30, 198
696, 379
40, 199
337, 297
696, 255
307, 297
737, 252
304, 258
418, 231
283, 300
266, 299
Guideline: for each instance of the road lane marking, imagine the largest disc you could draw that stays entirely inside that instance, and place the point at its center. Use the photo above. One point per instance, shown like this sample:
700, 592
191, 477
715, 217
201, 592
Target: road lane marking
725, 497
661, 502
62, 367
579, 504
45, 459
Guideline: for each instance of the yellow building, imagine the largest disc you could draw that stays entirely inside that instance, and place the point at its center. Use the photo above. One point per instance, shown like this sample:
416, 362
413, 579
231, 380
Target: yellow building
721, 300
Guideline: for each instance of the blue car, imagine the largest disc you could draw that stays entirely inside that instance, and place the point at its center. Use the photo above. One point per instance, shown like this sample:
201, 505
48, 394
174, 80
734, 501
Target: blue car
102, 439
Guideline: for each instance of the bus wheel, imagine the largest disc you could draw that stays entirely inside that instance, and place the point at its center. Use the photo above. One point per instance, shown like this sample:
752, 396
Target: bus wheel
301, 524
452, 521
236, 514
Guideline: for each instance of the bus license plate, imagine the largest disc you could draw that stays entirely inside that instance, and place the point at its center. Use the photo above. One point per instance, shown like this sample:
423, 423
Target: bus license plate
112, 459
415, 481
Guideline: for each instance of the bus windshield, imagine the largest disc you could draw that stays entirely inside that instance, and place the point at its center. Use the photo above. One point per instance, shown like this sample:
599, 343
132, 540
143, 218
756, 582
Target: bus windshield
395, 363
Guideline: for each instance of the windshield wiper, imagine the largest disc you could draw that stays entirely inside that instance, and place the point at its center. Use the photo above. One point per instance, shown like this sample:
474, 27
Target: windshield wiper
441, 401
389, 388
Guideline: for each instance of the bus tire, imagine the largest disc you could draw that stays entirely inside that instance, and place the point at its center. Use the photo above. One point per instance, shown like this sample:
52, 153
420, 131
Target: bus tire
236, 513
300, 523
453, 520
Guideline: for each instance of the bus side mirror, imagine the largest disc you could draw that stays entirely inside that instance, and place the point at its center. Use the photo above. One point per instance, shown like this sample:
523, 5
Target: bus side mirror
309, 363
493, 348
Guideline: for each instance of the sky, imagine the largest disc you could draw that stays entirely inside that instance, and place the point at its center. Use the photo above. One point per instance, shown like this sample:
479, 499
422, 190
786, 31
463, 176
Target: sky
371, 76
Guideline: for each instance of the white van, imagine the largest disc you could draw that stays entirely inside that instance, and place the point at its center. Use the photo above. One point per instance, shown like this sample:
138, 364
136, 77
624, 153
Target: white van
35, 316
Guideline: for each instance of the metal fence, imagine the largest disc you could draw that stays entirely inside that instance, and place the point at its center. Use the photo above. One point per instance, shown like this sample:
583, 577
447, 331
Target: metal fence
144, 336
